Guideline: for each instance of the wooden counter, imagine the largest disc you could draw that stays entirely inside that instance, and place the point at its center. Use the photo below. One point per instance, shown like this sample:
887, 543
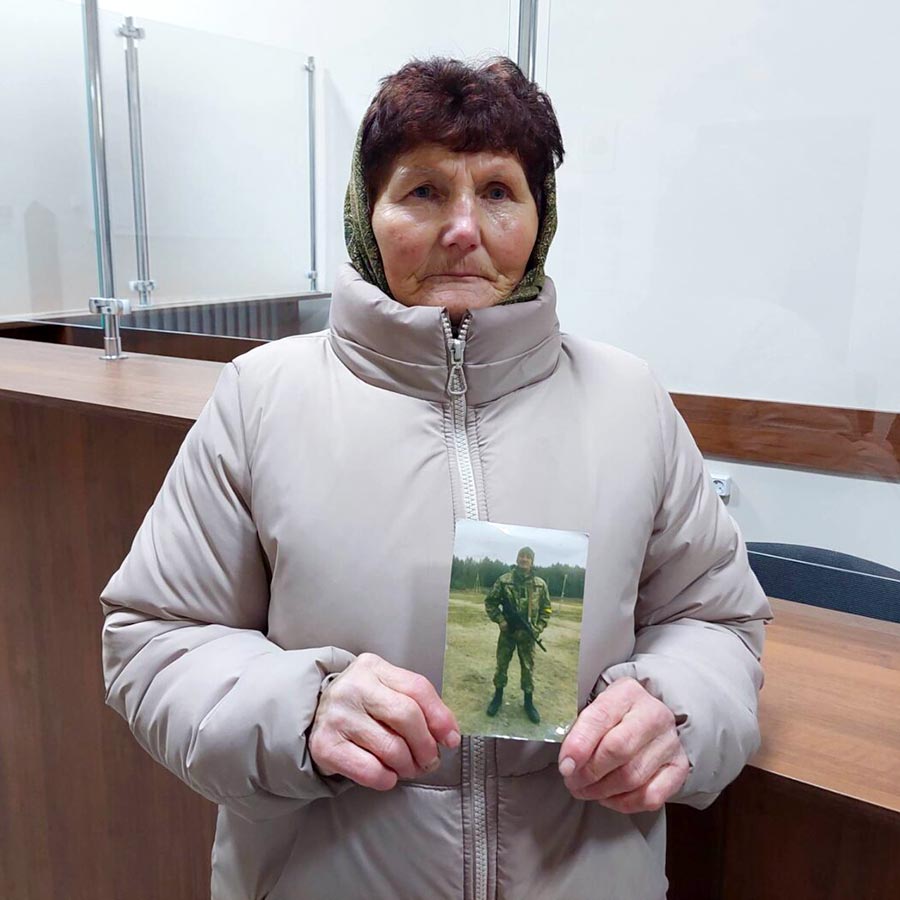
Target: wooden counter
815, 815
161, 387
830, 707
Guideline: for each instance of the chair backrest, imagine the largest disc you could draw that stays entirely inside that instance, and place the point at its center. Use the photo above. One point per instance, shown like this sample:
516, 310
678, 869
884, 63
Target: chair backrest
827, 578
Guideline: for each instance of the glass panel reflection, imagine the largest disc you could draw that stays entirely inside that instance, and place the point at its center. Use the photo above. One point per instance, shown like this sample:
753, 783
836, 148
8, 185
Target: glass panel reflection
225, 158
47, 248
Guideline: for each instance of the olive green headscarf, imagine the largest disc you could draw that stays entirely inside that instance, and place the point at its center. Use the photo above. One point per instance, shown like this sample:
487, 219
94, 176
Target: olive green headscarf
366, 258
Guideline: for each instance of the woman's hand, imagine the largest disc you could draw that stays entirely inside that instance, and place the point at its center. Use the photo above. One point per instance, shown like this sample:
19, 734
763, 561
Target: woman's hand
376, 724
623, 751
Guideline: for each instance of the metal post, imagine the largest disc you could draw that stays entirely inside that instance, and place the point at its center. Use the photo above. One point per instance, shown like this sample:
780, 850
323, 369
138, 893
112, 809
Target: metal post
110, 309
98, 148
527, 53
312, 274
144, 284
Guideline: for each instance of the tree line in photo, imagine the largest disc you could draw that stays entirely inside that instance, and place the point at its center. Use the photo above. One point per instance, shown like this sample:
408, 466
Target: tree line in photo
471, 574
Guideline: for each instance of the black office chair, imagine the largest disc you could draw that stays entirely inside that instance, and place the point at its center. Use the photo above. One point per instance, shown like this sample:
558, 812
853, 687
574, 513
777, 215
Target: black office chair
827, 578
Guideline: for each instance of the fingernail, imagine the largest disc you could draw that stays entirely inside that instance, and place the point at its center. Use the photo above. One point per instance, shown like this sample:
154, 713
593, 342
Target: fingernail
433, 764
567, 767
451, 742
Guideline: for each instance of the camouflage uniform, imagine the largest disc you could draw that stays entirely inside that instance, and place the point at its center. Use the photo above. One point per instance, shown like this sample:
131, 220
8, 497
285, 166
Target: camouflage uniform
529, 595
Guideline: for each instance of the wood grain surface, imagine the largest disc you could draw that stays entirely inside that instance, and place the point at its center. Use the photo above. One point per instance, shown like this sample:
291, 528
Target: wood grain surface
217, 348
830, 708
816, 814
139, 386
788, 841
829, 439
771, 838
85, 814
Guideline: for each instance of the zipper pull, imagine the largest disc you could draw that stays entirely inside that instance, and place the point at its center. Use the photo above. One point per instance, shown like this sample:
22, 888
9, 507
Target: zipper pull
456, 382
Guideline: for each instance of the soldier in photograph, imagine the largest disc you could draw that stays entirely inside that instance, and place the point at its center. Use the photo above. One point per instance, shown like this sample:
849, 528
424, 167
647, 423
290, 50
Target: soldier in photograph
519, 602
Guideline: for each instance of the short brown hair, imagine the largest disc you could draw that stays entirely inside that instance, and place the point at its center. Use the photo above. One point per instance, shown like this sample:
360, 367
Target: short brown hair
466, 109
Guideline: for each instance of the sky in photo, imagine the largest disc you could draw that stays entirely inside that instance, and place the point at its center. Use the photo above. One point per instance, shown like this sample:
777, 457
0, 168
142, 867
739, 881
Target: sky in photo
499, 541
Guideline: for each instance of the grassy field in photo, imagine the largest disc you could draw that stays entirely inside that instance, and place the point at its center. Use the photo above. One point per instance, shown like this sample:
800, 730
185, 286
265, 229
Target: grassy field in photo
469, 671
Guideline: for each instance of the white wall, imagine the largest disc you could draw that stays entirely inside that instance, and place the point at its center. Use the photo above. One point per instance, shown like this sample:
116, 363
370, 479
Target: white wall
730, 202
852, 515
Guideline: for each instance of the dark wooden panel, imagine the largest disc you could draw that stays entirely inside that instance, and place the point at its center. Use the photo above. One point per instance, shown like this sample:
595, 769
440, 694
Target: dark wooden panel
827, 439
771, 838
85, 814
786, 839
830, 439
696, 850
134, 340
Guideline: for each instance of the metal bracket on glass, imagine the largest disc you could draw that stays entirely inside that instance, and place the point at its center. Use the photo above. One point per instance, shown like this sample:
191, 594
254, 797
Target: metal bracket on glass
142, 287
130, 30
110, 308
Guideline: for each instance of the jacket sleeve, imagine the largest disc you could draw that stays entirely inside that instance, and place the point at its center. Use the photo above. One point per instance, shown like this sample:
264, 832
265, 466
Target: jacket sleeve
545, 609
492, 603
185, 658
699, 620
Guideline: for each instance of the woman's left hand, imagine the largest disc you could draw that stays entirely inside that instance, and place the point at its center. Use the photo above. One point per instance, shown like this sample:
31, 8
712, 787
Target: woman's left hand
623, 751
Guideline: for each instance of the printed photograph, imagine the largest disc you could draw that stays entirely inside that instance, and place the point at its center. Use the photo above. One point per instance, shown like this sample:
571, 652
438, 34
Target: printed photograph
514, 629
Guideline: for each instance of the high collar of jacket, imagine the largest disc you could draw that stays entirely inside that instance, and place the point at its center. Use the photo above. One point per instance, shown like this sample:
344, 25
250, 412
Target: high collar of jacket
404, 348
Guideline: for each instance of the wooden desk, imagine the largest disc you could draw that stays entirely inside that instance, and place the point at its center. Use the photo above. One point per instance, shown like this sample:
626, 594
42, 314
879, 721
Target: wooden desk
830, 708
84, 446
816, 814
163, 388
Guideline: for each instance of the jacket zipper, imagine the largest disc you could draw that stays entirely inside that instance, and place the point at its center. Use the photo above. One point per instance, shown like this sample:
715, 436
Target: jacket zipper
456, 390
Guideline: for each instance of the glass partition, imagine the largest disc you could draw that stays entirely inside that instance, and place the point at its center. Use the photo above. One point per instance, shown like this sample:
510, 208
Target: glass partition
225, 141
48, 260
225, 148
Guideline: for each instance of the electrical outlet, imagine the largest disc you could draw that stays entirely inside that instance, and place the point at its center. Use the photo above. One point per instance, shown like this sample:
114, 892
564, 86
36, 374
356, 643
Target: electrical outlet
722, 486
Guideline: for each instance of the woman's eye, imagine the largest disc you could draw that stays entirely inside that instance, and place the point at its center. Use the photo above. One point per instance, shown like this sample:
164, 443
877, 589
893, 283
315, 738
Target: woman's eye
497, 192
423, 191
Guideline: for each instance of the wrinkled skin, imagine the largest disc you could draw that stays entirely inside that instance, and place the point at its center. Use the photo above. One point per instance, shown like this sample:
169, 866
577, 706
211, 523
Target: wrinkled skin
624, 751
377, 723
455, 230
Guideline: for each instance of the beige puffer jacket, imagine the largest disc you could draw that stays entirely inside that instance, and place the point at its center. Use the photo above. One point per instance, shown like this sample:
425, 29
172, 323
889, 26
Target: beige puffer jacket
309, 517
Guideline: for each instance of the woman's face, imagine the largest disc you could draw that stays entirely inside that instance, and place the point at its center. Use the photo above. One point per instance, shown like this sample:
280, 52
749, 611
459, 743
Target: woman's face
455, 230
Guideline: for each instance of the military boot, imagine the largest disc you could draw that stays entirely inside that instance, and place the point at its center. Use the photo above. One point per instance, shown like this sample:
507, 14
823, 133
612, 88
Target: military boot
531, 710
496, 700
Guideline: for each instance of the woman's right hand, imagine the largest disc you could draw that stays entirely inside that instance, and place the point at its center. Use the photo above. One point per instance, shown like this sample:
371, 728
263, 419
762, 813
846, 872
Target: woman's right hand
377, 723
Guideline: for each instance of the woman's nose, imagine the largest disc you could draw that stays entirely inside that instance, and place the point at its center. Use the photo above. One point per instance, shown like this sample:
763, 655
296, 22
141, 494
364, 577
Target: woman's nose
462, 229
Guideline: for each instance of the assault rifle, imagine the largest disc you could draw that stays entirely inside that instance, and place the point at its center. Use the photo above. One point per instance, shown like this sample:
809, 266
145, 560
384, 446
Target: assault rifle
514, 617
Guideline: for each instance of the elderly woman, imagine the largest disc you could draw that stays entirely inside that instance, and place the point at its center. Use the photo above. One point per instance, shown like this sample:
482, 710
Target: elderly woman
276, 633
